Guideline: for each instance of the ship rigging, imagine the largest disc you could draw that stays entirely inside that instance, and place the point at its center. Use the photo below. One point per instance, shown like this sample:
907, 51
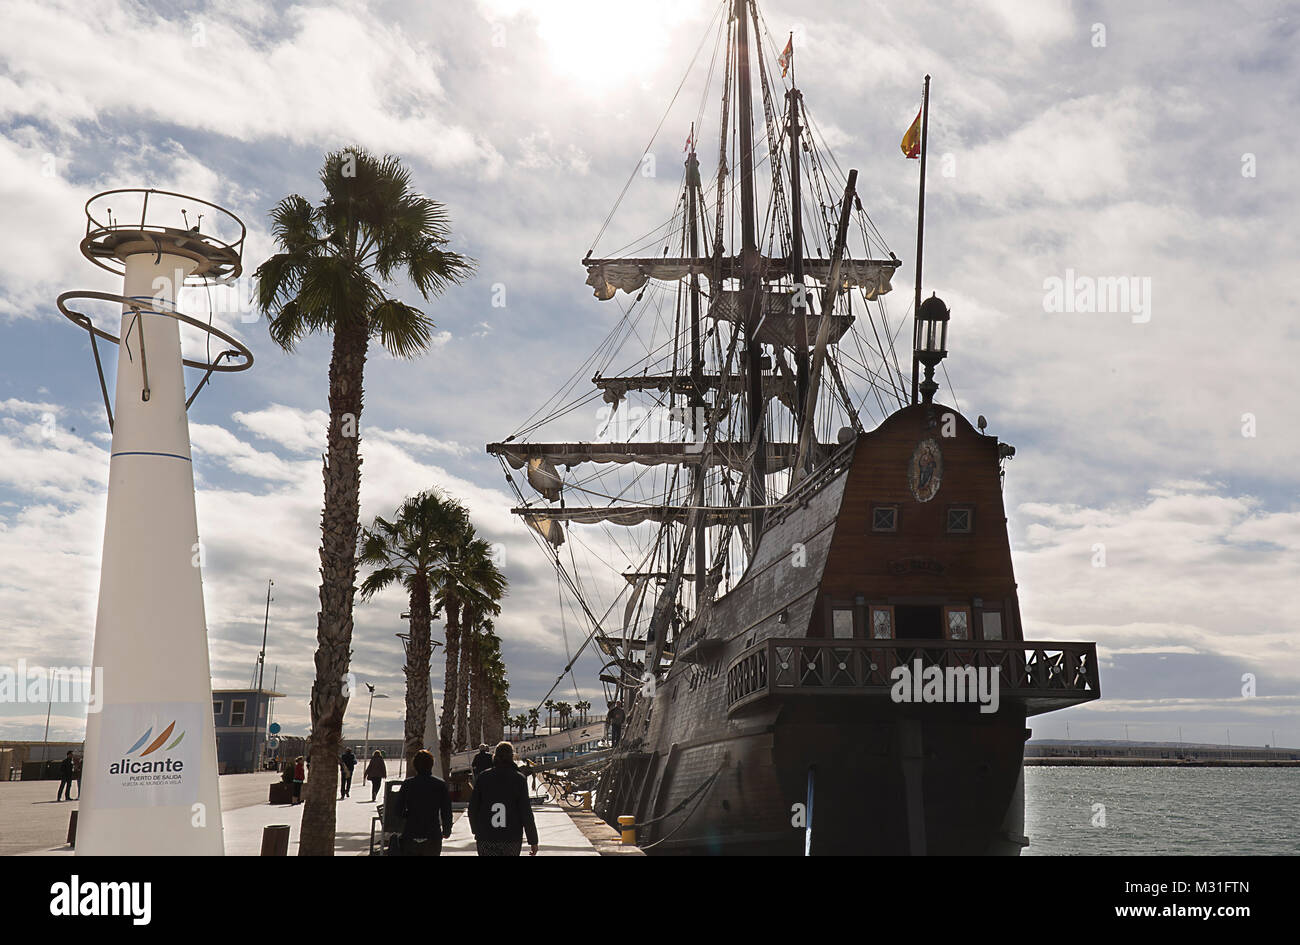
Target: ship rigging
742, 354
790, 516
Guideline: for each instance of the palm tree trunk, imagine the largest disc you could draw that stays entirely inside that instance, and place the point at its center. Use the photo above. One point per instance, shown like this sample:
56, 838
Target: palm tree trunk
478, 697
450, 685
338, 568
462, 695
417, 668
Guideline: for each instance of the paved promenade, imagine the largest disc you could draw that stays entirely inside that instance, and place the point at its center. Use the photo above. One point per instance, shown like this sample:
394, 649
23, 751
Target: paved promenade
32, 824
31, 821
243, 827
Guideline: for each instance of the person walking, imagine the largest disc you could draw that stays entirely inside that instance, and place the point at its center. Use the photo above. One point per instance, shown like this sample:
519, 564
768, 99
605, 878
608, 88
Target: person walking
66, 768
482, 761
299, 776
347, 762
424, 803
500, 811
376, 771
615, 719
78, 760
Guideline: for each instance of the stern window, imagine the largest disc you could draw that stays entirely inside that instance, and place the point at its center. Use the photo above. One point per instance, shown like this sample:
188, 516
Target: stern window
842, 623
957, 622
992, 624
882, 623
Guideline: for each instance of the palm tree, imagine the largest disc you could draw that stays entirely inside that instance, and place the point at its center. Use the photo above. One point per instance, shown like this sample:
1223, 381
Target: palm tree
563, 708
467, 585
482, 572
582, 707
549, 704
494, 687
331, 275
406, 551
520, 721
533, 718
478, 682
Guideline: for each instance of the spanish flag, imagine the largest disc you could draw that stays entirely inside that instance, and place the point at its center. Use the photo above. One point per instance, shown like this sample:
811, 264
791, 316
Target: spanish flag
787, 56
911, 143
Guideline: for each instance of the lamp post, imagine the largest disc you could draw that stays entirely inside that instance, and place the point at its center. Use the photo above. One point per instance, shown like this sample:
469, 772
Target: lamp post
373, 696
261, 677
932, 341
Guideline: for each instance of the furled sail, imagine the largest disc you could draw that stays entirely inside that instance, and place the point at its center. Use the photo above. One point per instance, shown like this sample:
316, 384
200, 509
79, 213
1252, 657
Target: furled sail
735, 455
547, 527
543, 476
606, 276
779, 325
616, 388
630, 515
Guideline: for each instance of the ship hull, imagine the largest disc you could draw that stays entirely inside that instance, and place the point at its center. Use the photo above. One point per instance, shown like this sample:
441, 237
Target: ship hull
785, 722
832, 777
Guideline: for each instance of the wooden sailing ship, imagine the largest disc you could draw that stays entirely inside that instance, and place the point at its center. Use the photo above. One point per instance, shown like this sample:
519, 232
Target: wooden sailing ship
813, 606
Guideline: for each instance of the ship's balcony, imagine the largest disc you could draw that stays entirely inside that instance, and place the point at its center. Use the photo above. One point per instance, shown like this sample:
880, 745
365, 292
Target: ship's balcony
1043, 676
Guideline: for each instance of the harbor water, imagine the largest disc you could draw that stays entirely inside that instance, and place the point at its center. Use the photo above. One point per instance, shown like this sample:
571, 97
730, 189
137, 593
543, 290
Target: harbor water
1152, 811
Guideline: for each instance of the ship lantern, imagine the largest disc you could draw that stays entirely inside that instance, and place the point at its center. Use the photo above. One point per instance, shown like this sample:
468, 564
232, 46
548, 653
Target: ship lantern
932, 340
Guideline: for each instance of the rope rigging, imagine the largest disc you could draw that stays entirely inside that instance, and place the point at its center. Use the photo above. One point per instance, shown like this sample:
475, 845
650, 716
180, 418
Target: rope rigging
863, 375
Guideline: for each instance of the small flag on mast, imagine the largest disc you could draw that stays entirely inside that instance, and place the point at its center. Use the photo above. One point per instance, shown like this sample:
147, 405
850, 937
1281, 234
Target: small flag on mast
911, 143
787, 56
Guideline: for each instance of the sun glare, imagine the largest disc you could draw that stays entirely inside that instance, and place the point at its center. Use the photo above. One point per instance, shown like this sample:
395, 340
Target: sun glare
603, 43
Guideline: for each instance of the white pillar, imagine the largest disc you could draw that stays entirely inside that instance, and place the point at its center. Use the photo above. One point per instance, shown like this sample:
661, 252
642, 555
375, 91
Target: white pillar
149, 782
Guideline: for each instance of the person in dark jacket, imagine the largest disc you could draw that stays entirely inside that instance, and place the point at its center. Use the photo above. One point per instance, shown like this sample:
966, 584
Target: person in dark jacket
65, 777
299, 776
500, 812
425, 804
376, 771
615, 718
347, 761
482, 761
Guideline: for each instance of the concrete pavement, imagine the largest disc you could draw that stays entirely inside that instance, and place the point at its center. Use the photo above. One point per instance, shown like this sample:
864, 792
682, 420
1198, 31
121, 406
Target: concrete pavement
556, 834
32, 824
32, 821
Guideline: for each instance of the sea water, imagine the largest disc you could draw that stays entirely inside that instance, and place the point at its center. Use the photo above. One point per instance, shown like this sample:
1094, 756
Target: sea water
1149, 811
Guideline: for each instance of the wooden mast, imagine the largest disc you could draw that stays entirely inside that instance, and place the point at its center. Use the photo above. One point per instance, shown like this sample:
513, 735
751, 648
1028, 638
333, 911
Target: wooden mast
807, 434
920, 239
750, 278
800, 301
696, 398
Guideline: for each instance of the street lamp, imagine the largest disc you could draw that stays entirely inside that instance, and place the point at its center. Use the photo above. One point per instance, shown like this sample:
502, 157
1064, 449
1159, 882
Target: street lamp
373, 696
932, 341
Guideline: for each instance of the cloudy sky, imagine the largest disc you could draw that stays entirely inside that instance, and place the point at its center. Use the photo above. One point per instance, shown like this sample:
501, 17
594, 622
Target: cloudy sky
1150, 141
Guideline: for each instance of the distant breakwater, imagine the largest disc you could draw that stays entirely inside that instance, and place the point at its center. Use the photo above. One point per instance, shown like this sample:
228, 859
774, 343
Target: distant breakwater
1070, 762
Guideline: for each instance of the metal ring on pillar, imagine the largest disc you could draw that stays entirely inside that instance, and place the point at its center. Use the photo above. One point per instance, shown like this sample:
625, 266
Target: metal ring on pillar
81, 320
154, 307
108, 240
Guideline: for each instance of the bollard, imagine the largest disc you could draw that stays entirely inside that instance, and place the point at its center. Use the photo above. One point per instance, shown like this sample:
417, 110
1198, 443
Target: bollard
275, 840
628, 825
72, 829
586, 801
